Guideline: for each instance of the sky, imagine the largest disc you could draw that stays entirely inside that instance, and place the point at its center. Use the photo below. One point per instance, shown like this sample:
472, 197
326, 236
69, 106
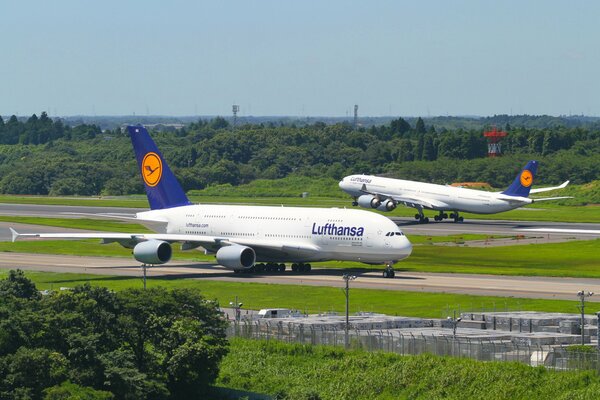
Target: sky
299, 58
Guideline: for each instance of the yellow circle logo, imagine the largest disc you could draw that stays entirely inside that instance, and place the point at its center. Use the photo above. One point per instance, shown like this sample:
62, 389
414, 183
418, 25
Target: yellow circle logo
526, 178
151, 169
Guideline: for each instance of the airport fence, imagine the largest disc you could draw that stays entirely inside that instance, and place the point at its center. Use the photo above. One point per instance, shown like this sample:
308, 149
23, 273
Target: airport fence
554, 357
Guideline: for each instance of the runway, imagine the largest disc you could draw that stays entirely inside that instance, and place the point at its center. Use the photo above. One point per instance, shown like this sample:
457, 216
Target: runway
557, 230
484, 285
505, 286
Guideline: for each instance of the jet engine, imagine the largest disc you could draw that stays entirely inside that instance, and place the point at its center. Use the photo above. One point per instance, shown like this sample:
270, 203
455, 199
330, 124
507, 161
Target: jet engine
387, 205
368, 201
236, 257
152, 252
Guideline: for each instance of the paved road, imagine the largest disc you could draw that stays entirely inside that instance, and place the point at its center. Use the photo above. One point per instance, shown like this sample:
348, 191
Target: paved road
486, 227
531, 287
504, 286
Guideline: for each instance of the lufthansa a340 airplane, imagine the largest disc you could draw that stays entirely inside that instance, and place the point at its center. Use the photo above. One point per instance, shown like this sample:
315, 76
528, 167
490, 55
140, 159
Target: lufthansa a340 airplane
385, 194
241, 236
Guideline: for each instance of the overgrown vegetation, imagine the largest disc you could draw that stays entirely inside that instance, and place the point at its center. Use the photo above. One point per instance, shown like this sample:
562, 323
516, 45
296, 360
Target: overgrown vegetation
90, 342
294, 371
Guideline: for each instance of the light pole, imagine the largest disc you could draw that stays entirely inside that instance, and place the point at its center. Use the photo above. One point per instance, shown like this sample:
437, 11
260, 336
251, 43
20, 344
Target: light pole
582, 295
236, 306
455, 322
347, 278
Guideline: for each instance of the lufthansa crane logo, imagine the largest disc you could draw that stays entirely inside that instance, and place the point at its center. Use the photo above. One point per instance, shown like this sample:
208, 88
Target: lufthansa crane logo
151, 169
526, 178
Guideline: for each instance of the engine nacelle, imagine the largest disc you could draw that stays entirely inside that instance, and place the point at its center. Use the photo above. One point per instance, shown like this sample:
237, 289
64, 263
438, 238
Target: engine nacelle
236, 257
387, 205
368, 201
153, 252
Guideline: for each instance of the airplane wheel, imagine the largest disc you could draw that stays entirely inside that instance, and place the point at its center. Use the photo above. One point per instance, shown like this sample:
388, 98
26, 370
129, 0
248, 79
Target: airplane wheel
437, 218
461, 219
354, 203
452, 215
385, 273
294, 267
308, 267
417, 216
444, 216
281, 267
425, 220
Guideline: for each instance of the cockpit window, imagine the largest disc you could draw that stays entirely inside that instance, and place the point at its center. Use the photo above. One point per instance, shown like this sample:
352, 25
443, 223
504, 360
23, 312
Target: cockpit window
399, 234
394, 233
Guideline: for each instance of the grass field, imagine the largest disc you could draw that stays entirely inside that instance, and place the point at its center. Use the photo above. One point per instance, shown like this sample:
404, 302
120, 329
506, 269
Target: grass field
312, 299
539, 212
569, 259
80, 223
294, 371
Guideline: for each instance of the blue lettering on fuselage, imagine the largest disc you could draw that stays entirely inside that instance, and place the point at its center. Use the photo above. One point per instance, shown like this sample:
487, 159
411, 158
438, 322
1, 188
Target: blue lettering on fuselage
334, 230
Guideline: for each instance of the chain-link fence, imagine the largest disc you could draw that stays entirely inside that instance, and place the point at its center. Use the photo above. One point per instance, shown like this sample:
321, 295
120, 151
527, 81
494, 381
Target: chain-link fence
555, 357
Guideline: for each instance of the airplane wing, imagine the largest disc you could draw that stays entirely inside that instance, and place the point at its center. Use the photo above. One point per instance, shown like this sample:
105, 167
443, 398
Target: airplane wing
409, 201
547, 189
129, 240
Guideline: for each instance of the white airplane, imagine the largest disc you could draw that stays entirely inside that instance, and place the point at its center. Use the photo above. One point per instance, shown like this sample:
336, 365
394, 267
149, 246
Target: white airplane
384, 194
241, 236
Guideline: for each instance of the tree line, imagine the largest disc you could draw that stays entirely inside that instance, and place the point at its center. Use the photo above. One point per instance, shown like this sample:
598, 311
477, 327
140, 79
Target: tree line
90, 342
45, 156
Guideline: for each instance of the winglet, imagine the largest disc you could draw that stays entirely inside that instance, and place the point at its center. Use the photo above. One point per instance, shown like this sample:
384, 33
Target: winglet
14, 234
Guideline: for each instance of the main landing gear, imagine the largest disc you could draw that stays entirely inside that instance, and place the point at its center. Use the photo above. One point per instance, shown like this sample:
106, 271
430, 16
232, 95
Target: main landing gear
301, 267
273, 267
389, 272
421, 217
456, 217
440, 217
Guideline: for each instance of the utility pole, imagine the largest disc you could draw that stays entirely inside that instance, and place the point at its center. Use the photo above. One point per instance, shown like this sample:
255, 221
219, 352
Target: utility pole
582, 295
237, 306
347, 278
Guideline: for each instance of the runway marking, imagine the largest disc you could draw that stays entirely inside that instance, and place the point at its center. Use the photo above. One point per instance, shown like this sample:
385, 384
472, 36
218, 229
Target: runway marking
558, 230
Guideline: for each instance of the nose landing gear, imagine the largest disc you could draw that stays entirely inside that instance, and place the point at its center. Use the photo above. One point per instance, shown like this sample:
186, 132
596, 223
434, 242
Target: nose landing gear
389, 272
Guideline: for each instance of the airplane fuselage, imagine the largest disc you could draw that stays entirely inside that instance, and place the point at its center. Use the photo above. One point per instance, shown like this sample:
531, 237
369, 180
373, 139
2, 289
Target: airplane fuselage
293, 234
447, 198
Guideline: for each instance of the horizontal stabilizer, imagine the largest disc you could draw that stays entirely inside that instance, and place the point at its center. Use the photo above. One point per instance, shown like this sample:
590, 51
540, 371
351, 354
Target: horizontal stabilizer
552, 198
547, 189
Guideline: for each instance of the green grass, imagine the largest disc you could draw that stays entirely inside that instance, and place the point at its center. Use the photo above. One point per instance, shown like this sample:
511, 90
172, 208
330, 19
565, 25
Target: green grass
548, 211
80, 223
90, 247
128, 202
294, 371
312, 299
569, 259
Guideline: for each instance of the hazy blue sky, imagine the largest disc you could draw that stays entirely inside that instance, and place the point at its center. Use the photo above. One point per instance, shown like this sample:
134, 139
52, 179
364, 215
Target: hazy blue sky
305, 57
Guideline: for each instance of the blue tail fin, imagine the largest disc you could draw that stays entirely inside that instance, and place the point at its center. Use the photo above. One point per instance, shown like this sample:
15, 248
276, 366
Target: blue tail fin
162, 187
523, 182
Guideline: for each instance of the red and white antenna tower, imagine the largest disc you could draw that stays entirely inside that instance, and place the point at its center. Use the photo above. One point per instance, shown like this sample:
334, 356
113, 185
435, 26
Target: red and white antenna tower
494, 137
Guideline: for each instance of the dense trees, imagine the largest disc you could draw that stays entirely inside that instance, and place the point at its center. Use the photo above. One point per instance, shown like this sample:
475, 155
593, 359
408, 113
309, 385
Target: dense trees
93, 343
41, 156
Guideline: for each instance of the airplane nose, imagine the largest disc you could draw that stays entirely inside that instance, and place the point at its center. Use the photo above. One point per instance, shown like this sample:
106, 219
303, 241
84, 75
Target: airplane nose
342, 184
406, 246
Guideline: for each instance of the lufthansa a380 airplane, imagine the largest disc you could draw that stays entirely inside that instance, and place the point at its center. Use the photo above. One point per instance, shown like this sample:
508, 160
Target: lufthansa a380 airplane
241, 236
384, 194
